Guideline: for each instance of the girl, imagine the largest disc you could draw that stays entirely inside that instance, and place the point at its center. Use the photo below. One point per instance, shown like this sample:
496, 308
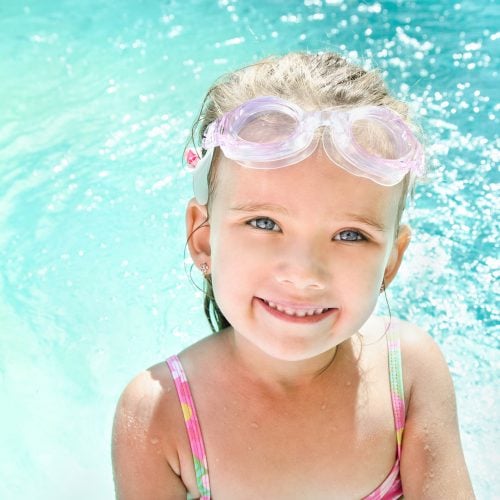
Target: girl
302, 393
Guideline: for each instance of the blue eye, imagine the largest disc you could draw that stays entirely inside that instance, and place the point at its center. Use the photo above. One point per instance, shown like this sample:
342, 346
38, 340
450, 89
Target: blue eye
349, 235
264, 223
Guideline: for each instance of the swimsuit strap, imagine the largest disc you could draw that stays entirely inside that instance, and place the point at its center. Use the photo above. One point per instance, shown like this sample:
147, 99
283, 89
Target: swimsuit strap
392, 488
192, 426
396, 382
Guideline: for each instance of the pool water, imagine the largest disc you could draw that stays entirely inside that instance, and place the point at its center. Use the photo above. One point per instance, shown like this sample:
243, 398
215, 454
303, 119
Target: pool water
96, 103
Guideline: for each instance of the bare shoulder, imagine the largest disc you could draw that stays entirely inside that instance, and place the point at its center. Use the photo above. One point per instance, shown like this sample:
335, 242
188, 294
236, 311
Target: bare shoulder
421, 355
146, 400
432, 464
146, 462
424, 365
414, 337
425, 370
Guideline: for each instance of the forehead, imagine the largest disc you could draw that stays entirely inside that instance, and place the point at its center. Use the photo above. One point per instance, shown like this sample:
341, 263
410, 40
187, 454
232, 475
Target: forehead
315, 186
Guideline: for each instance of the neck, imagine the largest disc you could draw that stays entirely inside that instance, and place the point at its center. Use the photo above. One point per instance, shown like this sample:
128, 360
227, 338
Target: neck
278, 374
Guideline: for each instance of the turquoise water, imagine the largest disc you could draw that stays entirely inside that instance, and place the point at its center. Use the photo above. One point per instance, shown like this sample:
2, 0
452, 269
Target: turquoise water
96, 102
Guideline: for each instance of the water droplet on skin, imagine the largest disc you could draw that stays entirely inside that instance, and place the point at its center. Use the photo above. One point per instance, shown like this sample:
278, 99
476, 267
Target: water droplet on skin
255, 425
155, 440
323, 406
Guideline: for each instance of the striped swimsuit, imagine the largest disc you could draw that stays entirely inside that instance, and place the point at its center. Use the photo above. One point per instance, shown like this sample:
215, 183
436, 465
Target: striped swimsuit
391, 487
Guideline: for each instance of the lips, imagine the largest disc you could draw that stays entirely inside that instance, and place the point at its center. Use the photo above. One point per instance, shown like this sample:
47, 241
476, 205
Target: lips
296, 313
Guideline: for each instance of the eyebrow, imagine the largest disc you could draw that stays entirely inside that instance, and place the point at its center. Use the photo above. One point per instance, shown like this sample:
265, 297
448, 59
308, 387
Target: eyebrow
364, 219
257, 207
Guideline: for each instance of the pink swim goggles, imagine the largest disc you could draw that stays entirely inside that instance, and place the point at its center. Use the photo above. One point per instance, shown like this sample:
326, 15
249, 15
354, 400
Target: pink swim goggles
270, 132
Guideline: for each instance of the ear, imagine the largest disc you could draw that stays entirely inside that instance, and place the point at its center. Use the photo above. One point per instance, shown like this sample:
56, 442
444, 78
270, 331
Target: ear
198, 232
399, 248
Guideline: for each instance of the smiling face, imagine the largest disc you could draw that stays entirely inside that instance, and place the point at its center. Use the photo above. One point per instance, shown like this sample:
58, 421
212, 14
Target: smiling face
297, 255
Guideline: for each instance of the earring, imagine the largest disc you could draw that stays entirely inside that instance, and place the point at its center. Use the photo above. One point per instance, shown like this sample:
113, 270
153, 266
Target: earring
204, 268
382, 287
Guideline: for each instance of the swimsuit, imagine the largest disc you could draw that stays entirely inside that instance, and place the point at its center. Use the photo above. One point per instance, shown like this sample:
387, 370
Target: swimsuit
390, 489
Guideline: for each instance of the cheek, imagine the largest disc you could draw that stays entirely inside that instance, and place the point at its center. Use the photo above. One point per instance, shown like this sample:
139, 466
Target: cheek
228, 263
363, 262
359, 278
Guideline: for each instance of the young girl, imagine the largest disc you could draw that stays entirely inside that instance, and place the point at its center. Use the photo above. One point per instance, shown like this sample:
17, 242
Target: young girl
300, 183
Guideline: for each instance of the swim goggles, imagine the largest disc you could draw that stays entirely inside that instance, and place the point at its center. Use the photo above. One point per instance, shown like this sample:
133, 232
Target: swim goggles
270, 132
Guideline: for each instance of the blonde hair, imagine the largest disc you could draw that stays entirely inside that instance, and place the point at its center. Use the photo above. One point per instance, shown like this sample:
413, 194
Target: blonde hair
313, 81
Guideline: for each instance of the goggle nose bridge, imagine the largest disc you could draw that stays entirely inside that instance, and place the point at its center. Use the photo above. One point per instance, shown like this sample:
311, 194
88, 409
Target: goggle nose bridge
325, 118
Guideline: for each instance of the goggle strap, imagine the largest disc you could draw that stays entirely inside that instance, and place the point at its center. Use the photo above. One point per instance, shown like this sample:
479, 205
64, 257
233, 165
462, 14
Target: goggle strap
200, 177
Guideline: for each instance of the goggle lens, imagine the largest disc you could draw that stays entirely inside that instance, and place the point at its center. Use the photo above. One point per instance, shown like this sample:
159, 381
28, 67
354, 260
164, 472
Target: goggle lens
376, 139
267, 128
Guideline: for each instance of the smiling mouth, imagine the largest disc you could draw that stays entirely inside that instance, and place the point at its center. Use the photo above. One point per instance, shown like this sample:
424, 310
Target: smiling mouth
297, 312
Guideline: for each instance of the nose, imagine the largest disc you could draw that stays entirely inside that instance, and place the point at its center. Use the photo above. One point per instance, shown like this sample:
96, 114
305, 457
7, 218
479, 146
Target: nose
302, 268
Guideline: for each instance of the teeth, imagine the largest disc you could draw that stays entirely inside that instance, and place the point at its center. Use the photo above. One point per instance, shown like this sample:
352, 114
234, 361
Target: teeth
292, 312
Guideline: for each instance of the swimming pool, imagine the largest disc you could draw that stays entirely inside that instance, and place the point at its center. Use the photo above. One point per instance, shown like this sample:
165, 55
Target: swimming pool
96, 102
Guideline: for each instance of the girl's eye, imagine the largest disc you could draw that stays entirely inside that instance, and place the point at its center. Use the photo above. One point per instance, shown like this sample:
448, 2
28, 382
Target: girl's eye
349, 235
264, 223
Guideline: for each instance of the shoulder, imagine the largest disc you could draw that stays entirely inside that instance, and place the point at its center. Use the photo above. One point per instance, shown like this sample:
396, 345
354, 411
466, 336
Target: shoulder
142, 395
432, 464
145, 436
149, 404
421, 356
424, 366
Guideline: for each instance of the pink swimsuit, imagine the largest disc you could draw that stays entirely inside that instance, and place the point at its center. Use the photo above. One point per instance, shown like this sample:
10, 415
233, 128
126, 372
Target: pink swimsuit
390, 489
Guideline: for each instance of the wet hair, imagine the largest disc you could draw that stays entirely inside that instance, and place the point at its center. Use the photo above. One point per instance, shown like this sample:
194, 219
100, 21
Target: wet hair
312, 81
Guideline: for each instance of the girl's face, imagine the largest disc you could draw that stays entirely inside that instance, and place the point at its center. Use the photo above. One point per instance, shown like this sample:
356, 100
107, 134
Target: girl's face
298, 254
